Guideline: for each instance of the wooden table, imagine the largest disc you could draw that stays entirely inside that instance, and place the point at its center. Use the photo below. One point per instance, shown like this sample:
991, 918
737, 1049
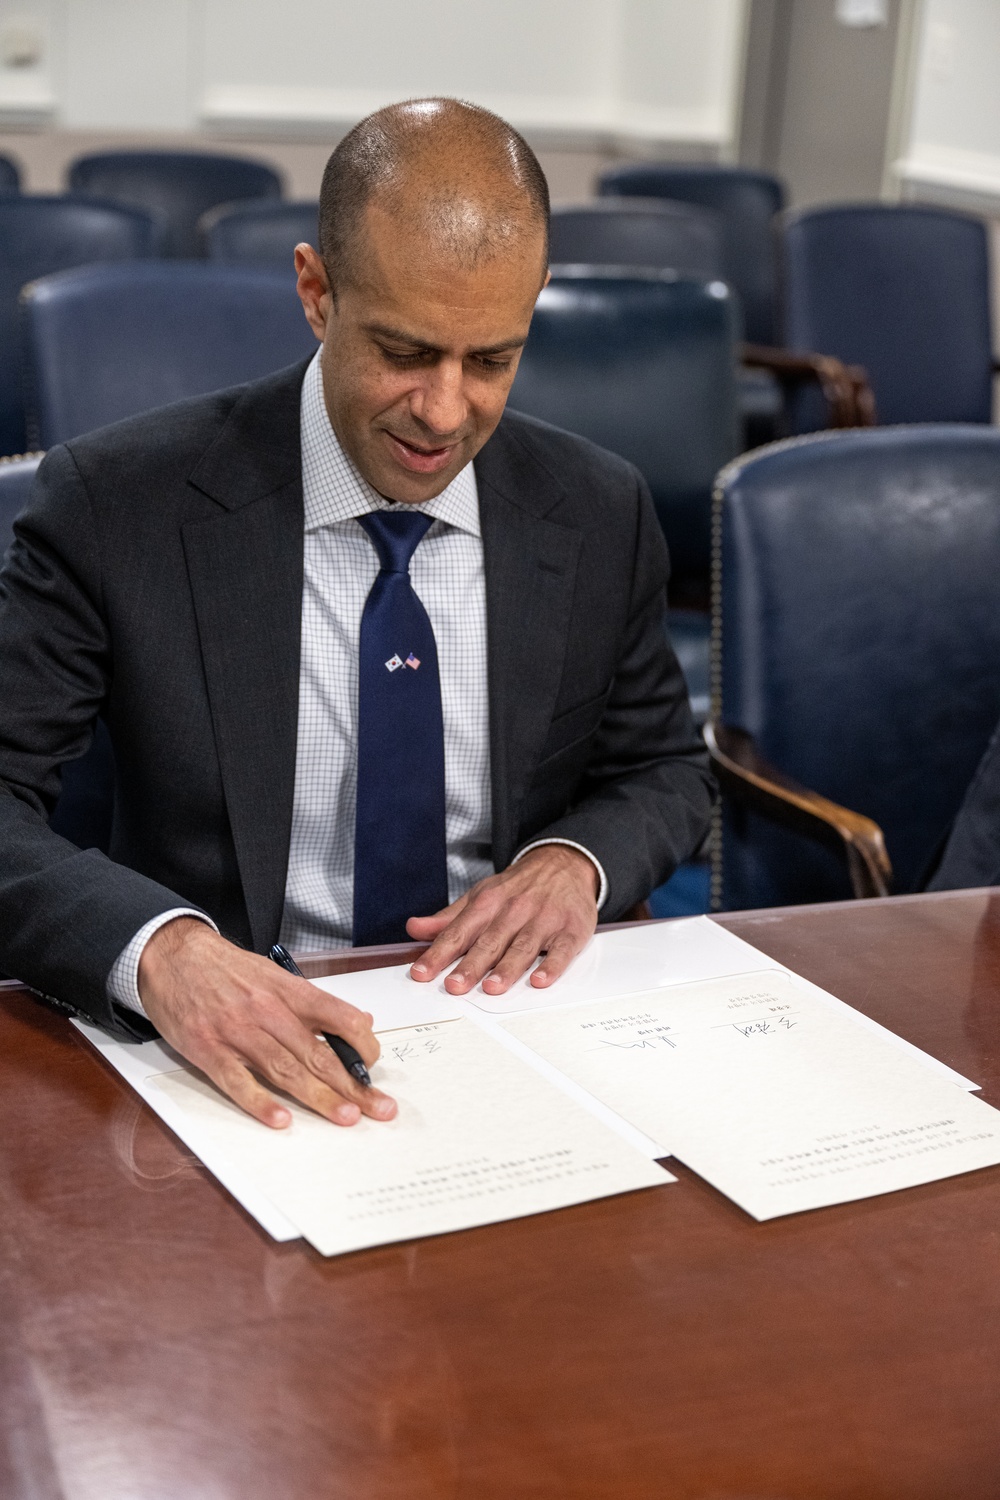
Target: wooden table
156, 1345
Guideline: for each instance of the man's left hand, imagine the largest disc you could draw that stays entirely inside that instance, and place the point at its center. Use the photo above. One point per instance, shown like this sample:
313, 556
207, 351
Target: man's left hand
546, 903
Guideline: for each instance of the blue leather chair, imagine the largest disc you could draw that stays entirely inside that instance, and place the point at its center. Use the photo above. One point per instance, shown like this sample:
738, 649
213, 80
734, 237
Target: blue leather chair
644, 364
638, 232
857, 657
746, 201
264, 233
106, 342
178, 186
43, 234
83, 812
10, 175
902, 290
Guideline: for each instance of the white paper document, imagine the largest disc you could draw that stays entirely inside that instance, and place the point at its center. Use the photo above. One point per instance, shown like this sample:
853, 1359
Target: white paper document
779, 1099
641, 956
480, 1136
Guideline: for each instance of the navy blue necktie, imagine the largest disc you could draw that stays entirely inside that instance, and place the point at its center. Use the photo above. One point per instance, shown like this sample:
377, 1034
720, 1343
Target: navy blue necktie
400, 867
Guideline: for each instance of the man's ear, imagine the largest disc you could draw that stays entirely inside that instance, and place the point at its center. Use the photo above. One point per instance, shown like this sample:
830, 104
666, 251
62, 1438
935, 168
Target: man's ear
313, 287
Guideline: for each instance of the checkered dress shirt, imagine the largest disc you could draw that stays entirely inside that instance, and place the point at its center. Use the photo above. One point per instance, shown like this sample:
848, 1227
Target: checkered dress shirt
340, 566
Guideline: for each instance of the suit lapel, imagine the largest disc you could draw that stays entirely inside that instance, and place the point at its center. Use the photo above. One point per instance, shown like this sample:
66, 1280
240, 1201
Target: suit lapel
245, 569
530, 564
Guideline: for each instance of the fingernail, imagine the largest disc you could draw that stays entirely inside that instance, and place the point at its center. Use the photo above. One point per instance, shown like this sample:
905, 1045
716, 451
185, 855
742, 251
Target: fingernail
384, 1108
492, 980
348, 1113
540, 976
280, 1118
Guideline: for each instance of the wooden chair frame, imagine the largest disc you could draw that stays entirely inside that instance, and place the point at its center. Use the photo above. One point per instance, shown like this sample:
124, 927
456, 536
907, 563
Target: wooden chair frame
752, 781
849, 397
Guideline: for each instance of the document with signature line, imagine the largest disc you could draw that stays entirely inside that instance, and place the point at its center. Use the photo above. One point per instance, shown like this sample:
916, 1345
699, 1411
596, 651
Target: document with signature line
480, 1136
779, 1100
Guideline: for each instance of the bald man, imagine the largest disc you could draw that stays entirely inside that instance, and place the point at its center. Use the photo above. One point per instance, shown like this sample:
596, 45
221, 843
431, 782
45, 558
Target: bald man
377, 659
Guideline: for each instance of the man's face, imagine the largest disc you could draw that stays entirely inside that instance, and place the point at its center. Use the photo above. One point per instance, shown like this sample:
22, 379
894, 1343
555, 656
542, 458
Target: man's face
418, 353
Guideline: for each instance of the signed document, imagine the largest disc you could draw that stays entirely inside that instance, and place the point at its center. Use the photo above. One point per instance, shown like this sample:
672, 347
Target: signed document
781, 1101
480, 1136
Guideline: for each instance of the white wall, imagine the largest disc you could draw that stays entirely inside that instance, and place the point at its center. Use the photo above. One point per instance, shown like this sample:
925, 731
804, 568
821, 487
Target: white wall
577, 72
950, 149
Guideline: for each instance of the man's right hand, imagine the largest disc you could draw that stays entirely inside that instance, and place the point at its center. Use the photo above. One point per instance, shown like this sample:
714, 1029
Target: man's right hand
234, 1014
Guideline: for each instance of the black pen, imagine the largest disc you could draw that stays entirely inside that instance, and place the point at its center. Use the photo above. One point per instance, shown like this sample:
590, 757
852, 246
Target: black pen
352, 1060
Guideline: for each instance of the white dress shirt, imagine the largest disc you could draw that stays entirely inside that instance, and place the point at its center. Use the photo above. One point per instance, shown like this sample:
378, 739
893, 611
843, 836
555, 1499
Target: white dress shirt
340, 566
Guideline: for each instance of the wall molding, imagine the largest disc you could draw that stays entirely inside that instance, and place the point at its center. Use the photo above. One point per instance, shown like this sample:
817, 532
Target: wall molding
949, 173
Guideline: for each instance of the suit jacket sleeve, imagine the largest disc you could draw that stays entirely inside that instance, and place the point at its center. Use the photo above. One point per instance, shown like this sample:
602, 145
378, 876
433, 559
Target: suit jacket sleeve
65, 913
643, 803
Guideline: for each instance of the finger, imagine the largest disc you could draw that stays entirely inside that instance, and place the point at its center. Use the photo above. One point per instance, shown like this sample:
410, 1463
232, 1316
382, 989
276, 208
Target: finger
562, 951
457, 938
280, 1067
489, 948
521, 953
318, 1058
238, 1084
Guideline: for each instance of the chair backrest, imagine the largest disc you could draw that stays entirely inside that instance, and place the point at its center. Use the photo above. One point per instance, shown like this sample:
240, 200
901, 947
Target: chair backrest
10, 175
902, 290
857, 637
642, 364
179, 186
106, 342
84, 810
40, 235
747, 202
639, 232
264, 233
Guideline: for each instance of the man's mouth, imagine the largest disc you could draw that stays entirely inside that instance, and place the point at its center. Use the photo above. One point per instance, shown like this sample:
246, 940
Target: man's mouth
419, 459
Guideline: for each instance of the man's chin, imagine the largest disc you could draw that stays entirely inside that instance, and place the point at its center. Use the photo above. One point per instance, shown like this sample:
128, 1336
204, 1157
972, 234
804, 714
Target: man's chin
398, 484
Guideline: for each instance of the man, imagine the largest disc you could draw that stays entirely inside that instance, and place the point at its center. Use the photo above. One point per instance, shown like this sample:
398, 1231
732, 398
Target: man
374, 660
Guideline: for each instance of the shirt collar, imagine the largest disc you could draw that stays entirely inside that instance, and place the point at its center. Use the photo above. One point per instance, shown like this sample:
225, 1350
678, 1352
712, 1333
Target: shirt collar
333, 490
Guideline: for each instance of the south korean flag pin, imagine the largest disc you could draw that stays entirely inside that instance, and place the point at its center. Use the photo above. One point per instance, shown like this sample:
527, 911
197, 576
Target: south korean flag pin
394, 663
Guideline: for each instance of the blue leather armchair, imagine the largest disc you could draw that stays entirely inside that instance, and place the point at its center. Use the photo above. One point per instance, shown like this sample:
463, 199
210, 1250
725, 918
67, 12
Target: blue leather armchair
639, 232
856, 657
644, 364
746, 202
903, 290
743, 204
106, 342
39, 235
176, 186
262, 233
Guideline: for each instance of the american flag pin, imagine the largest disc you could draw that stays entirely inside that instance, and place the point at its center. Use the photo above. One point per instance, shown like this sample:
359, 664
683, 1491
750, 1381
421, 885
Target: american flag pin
393, 663
413, 661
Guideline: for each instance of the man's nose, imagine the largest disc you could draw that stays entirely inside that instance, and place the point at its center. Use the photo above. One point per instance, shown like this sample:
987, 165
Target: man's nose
439, 401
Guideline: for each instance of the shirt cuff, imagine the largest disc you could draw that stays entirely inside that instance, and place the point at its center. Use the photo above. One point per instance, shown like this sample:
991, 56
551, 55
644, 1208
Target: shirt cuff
123, 981
602, 894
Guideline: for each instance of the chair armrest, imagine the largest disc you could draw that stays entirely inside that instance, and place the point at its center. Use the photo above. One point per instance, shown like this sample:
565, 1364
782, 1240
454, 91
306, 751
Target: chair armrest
849, 397
747, 777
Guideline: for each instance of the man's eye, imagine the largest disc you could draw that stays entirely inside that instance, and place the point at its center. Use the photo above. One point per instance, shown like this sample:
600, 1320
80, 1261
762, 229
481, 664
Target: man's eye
486, 363
406, 361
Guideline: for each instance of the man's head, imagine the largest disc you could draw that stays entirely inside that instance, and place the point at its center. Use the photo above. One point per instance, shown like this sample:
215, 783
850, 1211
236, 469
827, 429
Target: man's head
433, 248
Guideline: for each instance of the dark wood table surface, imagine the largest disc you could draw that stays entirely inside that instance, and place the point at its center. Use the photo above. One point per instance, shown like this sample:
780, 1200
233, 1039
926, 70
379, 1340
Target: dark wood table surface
156, 1345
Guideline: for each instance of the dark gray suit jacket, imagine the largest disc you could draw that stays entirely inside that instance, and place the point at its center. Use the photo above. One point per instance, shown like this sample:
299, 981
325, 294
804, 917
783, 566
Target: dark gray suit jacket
156, 579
